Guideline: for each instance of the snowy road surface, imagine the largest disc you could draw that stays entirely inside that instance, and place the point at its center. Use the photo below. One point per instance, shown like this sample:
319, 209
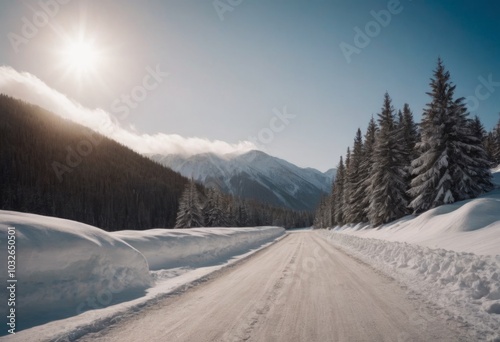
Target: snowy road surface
299, 289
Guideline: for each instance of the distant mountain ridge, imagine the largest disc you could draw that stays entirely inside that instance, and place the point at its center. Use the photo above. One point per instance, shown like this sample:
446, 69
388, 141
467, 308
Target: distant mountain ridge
255, 175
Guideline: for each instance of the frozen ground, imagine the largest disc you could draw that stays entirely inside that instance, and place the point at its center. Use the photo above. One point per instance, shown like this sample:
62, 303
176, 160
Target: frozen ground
71, 276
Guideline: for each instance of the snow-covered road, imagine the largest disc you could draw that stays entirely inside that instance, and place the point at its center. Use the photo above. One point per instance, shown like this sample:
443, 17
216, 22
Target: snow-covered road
299, 289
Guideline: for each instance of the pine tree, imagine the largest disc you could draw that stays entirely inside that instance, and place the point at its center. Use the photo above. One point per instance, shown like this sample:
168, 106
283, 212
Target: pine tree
346, 190
387, 190
410, 134
242, 217
490, 147
477, 130
338, 193
496, 143
353, 200
451, 160
322, 213
190, 212
366, 167
331, 205
228, 218
214, 211
479, 165
407, 135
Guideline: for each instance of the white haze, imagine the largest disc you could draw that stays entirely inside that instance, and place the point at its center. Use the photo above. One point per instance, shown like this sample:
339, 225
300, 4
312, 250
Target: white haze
29, 88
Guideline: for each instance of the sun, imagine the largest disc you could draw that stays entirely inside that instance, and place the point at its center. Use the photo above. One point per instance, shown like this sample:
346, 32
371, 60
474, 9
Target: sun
81, 57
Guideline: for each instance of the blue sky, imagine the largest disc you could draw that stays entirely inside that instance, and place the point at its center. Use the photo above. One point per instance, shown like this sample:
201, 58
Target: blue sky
228, 77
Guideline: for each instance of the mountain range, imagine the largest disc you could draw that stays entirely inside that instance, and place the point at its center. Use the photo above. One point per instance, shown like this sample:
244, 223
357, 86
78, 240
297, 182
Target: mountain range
254, 175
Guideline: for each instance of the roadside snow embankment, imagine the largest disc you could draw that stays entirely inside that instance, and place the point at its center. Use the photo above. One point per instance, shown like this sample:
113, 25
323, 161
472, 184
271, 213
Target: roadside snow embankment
196, 247
466, 285
64, 268
431, 254
61, 263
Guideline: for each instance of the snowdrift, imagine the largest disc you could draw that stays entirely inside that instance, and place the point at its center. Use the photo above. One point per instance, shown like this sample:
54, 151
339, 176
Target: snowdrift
195, 247
468, 226
61, 264
450, 255
466, 285
65, 268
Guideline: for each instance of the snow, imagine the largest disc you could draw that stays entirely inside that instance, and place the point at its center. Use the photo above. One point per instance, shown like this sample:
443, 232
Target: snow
449, 255
195, 247
72, 277
465, 285
61, 263
468, 226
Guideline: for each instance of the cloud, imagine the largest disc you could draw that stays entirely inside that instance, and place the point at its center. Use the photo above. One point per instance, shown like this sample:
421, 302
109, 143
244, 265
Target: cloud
29, 88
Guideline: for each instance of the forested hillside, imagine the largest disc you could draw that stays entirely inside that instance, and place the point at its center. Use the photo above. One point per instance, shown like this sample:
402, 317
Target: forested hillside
54, 167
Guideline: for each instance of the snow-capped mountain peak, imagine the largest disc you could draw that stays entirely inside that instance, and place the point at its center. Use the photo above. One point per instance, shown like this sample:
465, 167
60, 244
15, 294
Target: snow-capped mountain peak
255, 175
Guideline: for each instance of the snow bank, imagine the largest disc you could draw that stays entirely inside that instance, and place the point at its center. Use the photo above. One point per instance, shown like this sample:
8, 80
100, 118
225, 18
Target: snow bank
466, 285
450, 255
195, 247
64, 268
467, 226
60, 264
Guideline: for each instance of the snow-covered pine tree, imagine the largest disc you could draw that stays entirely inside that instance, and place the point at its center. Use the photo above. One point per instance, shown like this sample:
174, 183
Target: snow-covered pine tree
410, 134
477, 130
338, 193
477, 164
387, 189
317, 217
242, 219
407, 135
353, 210
451, 159
346, 189
321, 214
496, 143
214, 211
366, 168
190, 212
229, 219
331, 206
208, 205
490, 147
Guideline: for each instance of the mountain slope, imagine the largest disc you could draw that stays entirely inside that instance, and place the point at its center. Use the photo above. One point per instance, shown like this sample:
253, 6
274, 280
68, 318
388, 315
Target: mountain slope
54, 167
255, 175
